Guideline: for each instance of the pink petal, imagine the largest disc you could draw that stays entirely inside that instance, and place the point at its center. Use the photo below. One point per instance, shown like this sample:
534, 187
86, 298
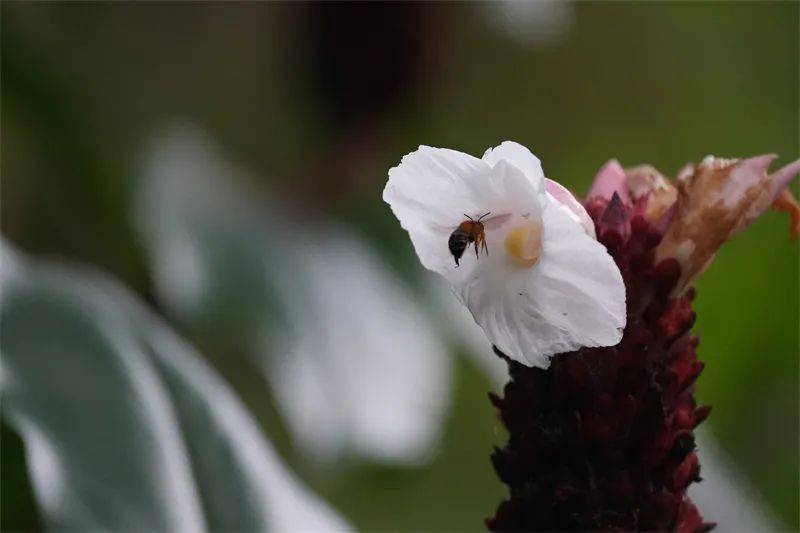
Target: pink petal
771, 186
566, 199
747, 173
783, 176
610, 179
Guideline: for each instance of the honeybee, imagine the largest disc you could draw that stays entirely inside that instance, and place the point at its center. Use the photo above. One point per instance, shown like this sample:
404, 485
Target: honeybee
468, 232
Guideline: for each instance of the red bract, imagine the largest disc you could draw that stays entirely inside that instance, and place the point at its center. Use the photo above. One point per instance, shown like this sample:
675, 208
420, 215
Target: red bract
602, 440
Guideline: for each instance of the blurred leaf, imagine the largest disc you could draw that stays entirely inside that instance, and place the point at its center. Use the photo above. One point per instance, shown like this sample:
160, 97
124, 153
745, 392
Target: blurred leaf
326, 319
47, 124
463, 330
724, 495
125, 426
17, 507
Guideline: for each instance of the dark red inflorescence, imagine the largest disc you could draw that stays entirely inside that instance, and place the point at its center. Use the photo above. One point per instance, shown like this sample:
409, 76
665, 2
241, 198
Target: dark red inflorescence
603, 439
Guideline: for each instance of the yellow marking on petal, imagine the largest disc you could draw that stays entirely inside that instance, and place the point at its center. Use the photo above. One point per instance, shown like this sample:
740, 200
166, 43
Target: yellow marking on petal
524, 244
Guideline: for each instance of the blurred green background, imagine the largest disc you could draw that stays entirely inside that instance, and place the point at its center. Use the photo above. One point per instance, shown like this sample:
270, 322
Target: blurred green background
319, 100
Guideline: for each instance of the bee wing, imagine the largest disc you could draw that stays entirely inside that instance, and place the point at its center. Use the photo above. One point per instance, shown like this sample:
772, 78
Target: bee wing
495, 221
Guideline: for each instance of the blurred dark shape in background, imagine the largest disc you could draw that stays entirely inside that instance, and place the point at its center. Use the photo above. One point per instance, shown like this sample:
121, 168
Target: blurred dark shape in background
365, 58
363, 62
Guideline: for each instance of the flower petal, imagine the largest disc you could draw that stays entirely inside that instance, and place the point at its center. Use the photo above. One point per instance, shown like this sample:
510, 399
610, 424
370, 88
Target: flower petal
574, 297
520, 157
432, 190
610, 179
781, 178
776, 185
563, 198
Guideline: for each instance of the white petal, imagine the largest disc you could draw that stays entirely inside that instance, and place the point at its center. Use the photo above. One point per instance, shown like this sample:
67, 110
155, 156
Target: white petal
531, 166
433, 188
573, 297
520, 157
563, 198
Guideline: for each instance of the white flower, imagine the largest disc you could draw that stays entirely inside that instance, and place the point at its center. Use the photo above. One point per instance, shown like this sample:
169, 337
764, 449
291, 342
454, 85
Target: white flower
544, 285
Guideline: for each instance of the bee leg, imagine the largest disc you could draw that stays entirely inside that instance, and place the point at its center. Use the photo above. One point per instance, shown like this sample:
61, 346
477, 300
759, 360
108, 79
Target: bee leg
485, 248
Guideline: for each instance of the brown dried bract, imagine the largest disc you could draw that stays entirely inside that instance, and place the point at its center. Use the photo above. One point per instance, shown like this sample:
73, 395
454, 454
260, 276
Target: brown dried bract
786, 202
644, 181
718, 199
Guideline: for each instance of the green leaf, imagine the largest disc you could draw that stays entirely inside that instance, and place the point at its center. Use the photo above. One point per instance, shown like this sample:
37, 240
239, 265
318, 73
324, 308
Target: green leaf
125, 426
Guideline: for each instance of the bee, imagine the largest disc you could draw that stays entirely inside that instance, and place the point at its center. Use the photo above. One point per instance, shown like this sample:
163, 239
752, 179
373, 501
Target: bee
468, 232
